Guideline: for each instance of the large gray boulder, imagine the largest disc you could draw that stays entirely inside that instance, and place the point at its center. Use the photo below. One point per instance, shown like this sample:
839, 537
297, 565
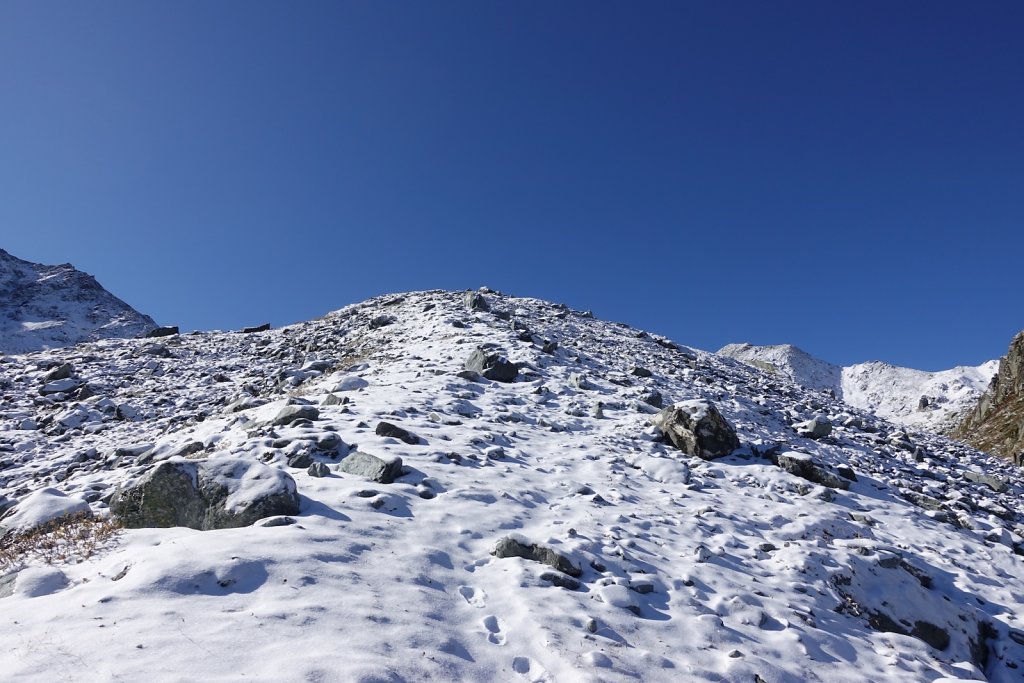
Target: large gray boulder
292, 413
492, 366
697, 428
219, 493
818, 427
511, 546
803, 466
381, 470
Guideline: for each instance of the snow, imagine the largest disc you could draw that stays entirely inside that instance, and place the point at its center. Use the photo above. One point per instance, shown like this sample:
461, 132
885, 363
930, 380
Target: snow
692, 570
45, 307
886, 390
40, 507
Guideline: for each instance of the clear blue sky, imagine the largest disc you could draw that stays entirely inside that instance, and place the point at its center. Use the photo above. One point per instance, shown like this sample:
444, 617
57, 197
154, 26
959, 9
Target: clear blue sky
848, 177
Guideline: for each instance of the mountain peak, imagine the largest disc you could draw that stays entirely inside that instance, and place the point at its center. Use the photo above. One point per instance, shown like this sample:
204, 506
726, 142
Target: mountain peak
43, 306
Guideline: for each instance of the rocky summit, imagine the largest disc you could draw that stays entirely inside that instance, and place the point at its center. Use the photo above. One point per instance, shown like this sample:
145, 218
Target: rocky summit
437, 486
52, 306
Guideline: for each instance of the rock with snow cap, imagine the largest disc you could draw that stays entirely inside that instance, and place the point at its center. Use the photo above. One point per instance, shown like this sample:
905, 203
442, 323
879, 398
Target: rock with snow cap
697, 428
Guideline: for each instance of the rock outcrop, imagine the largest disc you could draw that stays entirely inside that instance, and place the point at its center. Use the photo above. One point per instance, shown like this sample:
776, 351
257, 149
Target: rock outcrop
697, 428
996, 424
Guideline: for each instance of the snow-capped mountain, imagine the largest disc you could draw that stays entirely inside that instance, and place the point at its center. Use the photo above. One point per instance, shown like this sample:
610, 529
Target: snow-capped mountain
45, 307
472, 488
933, 401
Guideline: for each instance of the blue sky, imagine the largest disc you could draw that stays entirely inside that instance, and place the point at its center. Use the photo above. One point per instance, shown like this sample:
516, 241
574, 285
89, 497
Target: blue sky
847, 177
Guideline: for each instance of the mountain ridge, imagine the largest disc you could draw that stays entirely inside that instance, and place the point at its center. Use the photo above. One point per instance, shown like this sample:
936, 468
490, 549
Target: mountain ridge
533, 526
53, 306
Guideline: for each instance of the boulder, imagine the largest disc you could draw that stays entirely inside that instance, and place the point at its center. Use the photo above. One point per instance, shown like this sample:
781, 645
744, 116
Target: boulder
475, 301
60, 372
817, 427
61, 386
380, 470
803, 466
290, 414
394, 431
492, 366
996, 483
219, 493
697, 428
258, 328
638, 371
168, 331
513, 547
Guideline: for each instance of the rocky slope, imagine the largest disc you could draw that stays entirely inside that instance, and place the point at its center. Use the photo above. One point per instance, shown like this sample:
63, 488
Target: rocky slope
997, 422
474, 488
45, 307
932, 401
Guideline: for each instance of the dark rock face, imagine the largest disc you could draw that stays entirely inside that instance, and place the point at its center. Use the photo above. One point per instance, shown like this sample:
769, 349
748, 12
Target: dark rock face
697, 428
996, 424
220, 493
492, 366
380, 470
475, 301
510, 547
265, 327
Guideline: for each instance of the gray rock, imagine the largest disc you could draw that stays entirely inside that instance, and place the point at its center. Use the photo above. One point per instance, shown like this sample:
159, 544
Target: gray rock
61, 386
290, 414
300, 461
380, 470
492, 366
638, 371
332, 400
560, 580
697, 428
382, 321
60, 372
817, 427
318, 469
219, 493
653, 398
803, 466
510, 547
475, 301
387, 429
997, 484
162, 332
258, 328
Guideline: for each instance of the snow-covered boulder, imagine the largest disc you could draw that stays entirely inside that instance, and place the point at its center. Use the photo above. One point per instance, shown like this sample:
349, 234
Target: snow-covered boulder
218, 493
492, 366
697, 428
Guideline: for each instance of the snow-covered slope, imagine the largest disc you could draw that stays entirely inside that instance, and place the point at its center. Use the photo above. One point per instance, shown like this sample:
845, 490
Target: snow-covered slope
690, 570
45, 307
931, 401
790, 362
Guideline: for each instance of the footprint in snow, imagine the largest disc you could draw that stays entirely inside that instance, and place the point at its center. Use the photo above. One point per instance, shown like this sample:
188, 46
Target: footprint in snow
474, 596
494, 628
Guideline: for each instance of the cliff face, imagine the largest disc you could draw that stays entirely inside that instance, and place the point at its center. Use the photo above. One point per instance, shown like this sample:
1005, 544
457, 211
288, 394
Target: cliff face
996, 424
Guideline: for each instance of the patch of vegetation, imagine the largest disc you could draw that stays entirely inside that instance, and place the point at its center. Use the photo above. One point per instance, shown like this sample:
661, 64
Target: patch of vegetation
66, 540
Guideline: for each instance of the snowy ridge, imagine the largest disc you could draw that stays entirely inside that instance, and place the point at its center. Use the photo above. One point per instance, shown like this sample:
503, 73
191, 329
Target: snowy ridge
689, 570
45, 307
931, 401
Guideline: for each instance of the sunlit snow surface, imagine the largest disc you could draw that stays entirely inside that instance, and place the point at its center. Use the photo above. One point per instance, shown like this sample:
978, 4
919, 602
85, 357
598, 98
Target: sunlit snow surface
747, 570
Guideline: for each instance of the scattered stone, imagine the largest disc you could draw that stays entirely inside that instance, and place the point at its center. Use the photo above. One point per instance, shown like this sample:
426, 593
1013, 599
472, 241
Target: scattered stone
638, 371
265, 327
492, 366
300, 461
511, 547
560, 580
387, 429
380, 470
218, 493
290, 414
318, 469
697, 428
382, 321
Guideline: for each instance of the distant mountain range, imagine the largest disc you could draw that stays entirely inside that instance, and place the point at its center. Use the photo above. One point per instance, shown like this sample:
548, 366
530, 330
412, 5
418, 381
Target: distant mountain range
931, 401
46, 307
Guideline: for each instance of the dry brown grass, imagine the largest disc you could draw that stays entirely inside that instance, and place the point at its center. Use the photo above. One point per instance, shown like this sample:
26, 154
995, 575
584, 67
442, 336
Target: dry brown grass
67, 540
